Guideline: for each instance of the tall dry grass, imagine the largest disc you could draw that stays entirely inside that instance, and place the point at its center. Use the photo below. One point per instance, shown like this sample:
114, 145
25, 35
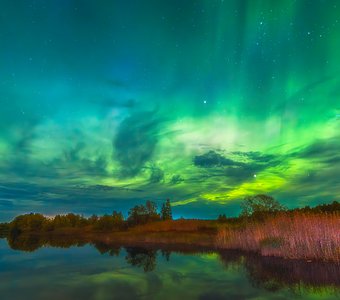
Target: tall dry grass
289, 235
181, 225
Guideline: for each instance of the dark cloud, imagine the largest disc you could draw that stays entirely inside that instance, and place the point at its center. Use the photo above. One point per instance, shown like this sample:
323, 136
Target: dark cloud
319, 182
156, 175
21, 166
51, 199
324, 173
74, 159
70, 166
72, 163
176, 179
106, 188
237, 169
255, 156
213, 159
135, 142
326, 150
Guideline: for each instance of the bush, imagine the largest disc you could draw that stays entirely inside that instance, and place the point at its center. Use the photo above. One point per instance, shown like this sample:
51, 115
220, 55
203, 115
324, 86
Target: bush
141, 214
28, 222
260, 205
107, 222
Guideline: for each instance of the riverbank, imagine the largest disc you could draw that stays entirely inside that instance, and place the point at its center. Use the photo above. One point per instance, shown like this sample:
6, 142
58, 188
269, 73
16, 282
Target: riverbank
168, 234
287, 235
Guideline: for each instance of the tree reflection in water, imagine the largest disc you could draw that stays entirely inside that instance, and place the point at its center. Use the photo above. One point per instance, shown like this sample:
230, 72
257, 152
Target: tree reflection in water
269, 273
142, 258
104, 248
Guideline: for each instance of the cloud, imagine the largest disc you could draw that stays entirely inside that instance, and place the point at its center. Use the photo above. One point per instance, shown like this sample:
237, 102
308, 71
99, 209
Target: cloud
73, 163
74, 159
326, 151
176, 179
213, 159
237, 168
255, 156
52, 198
319, 181
157, 175
135, 142
105, 188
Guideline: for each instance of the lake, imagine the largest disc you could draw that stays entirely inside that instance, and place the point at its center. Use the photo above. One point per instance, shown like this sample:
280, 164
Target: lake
99, 271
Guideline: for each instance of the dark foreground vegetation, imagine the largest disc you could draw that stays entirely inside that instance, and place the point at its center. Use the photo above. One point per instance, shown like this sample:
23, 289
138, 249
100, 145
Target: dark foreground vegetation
264, 226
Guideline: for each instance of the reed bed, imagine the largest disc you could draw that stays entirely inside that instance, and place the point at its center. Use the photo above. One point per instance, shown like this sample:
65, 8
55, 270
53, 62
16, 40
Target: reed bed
288, 235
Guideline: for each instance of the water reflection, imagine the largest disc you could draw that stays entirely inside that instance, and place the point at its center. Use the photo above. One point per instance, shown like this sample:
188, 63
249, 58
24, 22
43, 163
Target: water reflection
268, 273
142, 258
29, 243
104, 248
273, 273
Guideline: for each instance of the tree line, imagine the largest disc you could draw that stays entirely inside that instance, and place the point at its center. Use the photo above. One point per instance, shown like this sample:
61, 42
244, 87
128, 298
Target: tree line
261, 206
255, 207
137, 215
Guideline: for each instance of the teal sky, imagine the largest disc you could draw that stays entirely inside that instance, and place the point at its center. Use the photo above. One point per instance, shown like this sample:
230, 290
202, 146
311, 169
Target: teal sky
105, 104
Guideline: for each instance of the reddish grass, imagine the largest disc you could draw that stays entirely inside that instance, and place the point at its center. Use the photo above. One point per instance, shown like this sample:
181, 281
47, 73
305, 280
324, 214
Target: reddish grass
289, 235
180, 225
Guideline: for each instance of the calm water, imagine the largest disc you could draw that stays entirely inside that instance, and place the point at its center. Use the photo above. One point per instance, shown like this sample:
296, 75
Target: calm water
109, 272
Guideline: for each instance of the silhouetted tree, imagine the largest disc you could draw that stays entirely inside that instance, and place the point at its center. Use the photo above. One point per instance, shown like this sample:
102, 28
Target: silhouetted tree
69, 220
141, 214
222, 218
117, 217
321, 208
107, 222
92, 220
151, 209
28, 222
137, 215
166, 212
259, 204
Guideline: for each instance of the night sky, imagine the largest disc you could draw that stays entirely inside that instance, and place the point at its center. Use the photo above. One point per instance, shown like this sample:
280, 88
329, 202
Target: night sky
106, 104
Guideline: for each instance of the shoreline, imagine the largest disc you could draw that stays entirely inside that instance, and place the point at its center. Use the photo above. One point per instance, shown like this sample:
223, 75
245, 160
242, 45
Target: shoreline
171, 241
311, 234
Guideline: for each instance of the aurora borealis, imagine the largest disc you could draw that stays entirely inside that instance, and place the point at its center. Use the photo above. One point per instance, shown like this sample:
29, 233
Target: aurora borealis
105, 104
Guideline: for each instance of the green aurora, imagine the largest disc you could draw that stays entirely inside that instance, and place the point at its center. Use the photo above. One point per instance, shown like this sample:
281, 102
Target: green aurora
105, 104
